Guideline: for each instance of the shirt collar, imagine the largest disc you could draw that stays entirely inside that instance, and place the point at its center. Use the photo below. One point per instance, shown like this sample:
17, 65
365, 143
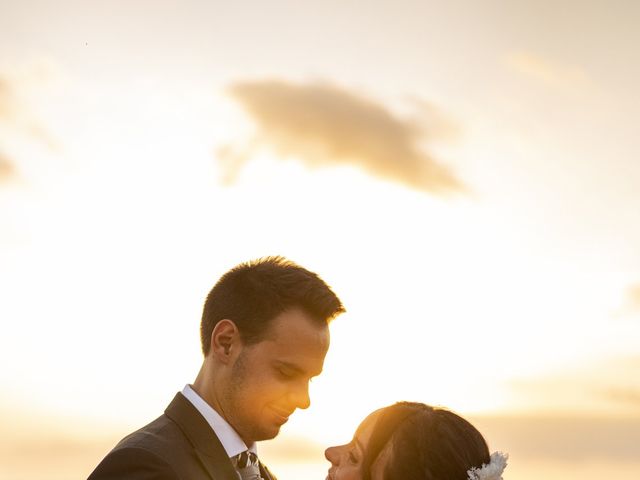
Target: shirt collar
229, 438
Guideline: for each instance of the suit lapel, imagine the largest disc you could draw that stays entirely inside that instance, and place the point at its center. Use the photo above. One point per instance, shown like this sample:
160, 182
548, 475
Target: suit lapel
265, 473
217, 470
208, 448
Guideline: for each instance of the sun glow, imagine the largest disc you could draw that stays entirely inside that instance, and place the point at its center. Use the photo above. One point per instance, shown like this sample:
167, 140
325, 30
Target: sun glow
477, 214
414, 269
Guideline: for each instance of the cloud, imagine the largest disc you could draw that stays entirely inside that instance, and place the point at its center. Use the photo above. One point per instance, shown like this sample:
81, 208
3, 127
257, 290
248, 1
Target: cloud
550, 73
18, 123
322, 125
629, 306
5, 98
19, 89
606, 385
10, 110
633, 298
567, 438
630, 396
7, 169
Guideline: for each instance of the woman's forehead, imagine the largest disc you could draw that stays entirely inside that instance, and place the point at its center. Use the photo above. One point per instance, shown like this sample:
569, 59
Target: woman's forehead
367, 426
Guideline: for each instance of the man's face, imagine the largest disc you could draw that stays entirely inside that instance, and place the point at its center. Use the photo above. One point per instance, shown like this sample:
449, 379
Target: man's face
270, 379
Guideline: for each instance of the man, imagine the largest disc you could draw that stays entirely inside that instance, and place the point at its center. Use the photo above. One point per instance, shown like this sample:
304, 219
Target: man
264, 335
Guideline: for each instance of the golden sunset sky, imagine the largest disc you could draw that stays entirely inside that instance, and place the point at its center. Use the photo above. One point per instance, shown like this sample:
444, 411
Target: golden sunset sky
465, 175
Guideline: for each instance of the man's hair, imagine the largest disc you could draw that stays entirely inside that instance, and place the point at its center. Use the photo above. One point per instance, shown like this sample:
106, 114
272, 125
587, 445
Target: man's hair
253, 293
427, 443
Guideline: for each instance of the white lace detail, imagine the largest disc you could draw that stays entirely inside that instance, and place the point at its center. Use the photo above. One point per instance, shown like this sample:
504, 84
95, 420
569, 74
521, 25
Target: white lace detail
491, 471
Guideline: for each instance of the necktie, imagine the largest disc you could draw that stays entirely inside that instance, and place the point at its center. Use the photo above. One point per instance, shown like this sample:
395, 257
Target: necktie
247, 465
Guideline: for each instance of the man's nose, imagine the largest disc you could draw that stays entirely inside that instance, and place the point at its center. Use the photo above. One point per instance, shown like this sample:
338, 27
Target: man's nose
300, 396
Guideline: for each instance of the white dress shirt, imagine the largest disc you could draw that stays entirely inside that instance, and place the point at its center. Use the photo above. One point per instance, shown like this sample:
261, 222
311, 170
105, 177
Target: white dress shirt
229, 438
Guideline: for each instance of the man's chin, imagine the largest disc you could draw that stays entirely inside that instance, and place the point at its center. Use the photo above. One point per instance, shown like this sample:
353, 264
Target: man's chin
268, 433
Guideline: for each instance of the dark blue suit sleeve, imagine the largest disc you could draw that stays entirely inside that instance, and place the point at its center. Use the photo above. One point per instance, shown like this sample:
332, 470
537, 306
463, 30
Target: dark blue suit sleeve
132, 463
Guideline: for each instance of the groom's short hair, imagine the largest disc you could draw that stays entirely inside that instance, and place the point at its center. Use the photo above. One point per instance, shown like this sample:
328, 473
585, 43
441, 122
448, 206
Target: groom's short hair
253, 293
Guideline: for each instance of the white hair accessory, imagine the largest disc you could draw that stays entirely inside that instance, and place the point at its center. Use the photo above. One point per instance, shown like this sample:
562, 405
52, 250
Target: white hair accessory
492, 470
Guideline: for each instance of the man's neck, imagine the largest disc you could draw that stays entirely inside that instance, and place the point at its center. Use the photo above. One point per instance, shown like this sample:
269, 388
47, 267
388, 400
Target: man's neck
232, 442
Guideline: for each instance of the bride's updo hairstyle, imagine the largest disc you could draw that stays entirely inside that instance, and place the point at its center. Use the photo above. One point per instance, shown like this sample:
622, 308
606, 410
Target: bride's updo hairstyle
420, 442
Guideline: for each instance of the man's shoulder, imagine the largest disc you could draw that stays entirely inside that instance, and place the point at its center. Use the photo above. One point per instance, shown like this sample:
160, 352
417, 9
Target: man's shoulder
133, 462
157, 436
153, 448
179, 444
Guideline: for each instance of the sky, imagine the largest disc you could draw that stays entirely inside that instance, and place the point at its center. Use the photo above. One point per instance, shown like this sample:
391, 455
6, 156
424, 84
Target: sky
463, 175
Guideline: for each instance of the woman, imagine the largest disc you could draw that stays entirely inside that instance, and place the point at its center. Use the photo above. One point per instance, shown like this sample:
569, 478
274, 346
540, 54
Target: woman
414, 441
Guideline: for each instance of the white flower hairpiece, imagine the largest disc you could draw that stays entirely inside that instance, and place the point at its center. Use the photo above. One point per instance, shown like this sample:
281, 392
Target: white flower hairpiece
492, 470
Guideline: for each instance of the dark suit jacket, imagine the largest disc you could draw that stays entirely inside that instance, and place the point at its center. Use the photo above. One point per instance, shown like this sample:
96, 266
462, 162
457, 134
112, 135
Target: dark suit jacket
179, 445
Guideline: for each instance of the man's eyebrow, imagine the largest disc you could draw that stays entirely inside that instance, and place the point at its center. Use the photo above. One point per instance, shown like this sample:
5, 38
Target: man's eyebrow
295, 368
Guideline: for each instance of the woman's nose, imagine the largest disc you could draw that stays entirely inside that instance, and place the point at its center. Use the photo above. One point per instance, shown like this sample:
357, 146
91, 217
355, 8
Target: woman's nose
333, 454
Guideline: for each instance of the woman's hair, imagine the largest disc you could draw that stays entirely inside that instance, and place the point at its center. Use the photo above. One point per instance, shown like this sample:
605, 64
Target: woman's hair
427, 443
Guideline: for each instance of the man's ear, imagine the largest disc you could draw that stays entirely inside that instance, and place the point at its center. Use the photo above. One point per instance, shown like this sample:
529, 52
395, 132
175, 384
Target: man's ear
225, 340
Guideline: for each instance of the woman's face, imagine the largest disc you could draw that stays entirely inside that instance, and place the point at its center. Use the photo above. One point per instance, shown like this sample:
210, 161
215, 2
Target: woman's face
346, 460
